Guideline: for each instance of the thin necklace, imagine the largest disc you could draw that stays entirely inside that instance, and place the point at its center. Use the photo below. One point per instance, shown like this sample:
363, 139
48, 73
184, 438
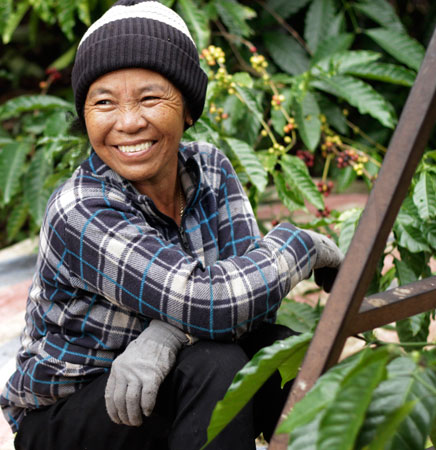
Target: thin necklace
182, 204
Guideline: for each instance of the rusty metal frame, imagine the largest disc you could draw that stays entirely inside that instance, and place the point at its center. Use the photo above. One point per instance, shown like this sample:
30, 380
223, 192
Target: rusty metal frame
346, 313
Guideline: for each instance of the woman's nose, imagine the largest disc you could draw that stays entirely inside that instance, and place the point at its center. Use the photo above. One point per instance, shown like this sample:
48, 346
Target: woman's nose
130, 120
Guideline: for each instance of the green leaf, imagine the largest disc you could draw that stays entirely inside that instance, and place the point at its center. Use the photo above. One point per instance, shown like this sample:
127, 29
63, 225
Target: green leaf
390, 426
267, 159
359, 94
408, 214
300, 317
388, 73
35, 192
65, 59
286, 52
278, 119
338, 24
332, 45
57, 178
289, 369
14, 20
390, 395
252, 376
249, 161
348, 226
12, 158
26, 103
399, 45
411, 238
6, 8
65, 14
197, 22
84, 12
248, 129
343, 418
236, 111
333, 113
291, 198
44, 9
235, 17
4, 140
424, 196
414, 329
56, 125
250, 102
344, 60
319, 17
431, 235
412, 432
430, 154
286, 8
305, 437
380, 11
345, 178
320, 396
404, 272
418, 262
298, 177
17, 218
203, 131
386, 279
307, 118
243, 79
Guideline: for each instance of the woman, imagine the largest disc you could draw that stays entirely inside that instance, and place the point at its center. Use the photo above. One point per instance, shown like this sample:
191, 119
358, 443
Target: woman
151, 246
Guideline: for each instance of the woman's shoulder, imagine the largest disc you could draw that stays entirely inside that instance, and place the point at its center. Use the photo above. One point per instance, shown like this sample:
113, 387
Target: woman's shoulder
206, 154
85, 187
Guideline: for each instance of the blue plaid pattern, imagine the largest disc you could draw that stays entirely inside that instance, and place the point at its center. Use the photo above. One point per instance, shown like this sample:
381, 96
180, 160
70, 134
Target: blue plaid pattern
109, 262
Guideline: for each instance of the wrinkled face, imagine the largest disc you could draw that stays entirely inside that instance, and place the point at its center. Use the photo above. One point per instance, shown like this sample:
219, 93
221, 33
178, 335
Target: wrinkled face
135, 119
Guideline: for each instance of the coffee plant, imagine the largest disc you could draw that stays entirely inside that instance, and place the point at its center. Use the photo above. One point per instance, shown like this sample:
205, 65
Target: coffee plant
303, 97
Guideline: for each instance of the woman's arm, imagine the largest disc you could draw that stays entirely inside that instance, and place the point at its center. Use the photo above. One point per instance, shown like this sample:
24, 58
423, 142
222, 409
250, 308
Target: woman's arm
110, 252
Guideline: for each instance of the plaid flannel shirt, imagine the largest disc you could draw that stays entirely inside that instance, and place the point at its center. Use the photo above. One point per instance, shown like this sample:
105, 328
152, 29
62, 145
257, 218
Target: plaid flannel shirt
109, 262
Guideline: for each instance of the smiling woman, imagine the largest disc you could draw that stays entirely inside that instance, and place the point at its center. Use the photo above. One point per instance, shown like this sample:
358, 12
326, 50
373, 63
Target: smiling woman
135, 120
153, 286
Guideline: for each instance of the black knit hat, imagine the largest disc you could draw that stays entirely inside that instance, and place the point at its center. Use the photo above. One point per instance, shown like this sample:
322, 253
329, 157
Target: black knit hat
142, 34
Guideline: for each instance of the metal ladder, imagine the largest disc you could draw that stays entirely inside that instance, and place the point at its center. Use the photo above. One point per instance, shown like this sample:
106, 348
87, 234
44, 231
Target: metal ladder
347, 312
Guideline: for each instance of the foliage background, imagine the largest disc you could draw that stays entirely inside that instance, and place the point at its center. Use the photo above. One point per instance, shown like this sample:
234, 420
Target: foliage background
299, 91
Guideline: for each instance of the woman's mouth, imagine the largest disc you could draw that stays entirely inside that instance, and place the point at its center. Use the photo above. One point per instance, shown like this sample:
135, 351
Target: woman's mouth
136, 148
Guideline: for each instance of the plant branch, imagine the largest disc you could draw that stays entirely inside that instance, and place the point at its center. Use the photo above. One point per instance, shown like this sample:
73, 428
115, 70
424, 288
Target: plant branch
285, 25
231, 38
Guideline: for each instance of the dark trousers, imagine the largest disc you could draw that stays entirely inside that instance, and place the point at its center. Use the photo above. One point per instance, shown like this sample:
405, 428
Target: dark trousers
185, 402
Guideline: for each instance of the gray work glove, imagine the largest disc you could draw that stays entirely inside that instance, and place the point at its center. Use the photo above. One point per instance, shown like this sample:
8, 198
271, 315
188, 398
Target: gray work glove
328, 259
137, 373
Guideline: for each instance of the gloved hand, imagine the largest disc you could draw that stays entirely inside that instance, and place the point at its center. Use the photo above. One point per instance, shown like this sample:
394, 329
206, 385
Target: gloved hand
137, 373
328, 259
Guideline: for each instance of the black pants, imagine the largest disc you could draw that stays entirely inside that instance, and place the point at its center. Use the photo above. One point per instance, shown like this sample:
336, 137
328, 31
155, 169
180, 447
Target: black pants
183, 409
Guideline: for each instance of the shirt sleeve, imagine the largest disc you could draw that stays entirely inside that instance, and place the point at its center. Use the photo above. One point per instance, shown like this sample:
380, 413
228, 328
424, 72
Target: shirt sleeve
108, 250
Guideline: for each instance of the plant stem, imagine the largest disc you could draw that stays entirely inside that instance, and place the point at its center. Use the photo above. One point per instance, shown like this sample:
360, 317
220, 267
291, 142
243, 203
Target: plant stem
230, 38
287, 27
424, 383
356, 129
349, 9
327, 167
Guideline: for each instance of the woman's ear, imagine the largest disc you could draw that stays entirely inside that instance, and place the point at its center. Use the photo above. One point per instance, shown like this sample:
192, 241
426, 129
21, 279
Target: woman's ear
188, 120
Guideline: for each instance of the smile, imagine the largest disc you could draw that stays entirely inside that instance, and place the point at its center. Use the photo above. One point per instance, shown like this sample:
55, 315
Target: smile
135, 148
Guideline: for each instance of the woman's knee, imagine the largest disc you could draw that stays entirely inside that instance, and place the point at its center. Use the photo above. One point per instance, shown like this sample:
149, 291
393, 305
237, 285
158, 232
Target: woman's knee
209, 360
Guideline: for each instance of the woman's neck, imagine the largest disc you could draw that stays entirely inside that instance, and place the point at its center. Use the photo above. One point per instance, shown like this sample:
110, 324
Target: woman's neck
167, 195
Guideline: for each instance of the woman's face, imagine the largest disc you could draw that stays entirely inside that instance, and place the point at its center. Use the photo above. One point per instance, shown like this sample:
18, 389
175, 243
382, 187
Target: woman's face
135, 119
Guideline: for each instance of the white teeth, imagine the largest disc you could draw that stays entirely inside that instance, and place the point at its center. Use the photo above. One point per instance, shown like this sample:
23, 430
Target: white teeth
135, 148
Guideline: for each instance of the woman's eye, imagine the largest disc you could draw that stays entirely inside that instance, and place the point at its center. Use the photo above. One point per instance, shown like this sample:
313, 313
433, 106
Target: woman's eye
103, 102
150, 98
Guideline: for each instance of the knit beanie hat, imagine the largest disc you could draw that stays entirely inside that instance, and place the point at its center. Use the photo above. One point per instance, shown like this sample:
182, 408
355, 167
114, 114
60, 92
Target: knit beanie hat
140, 34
